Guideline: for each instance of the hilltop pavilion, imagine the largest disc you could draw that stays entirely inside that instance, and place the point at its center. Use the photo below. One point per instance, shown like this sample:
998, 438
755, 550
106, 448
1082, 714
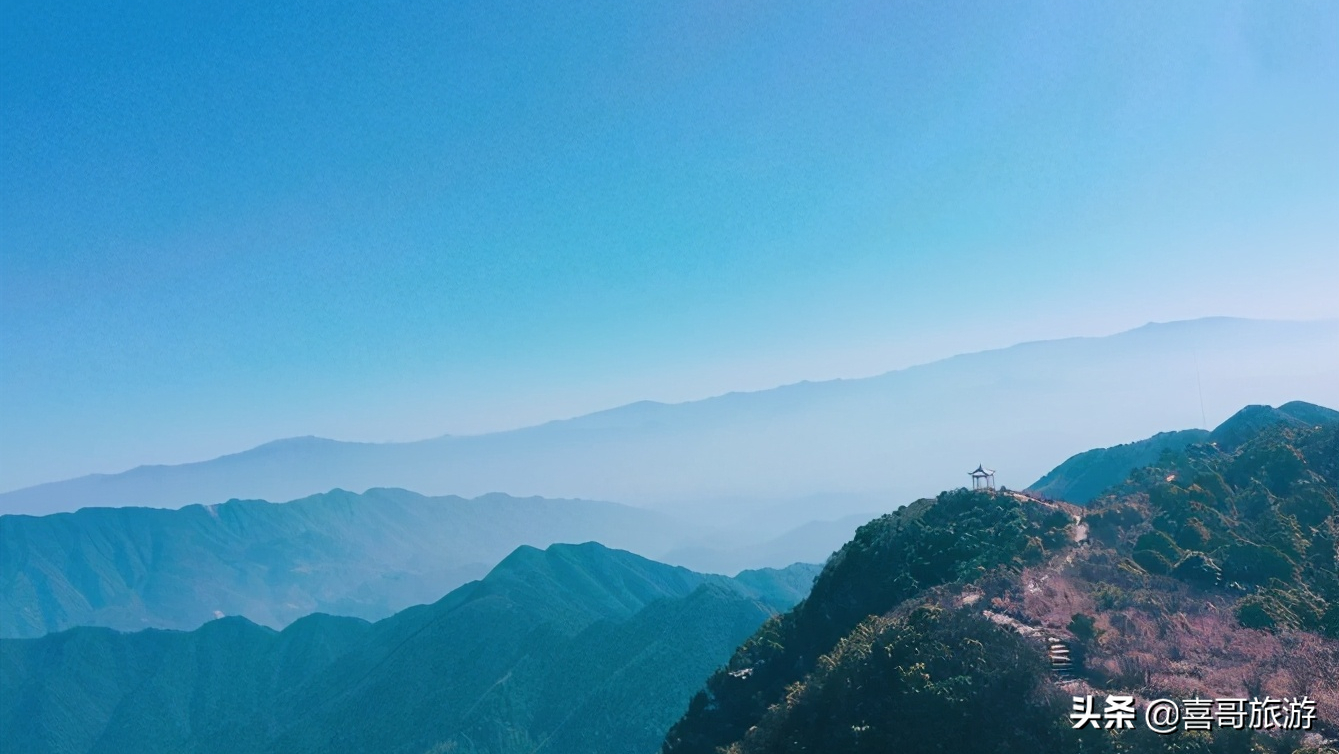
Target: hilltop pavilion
983, 478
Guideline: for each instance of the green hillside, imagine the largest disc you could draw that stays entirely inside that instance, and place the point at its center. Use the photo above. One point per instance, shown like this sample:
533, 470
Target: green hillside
1086, 475
574, 648
1211, 574
363, 555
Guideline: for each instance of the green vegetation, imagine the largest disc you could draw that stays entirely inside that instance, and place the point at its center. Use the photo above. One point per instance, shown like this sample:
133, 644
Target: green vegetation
365, 556
1190, 562
1260, 515
957, 537
570, 649
933, 680
1085, 476
1212, 570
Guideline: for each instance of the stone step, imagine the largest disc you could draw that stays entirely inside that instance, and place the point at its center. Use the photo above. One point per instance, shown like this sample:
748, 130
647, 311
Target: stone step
1059, 654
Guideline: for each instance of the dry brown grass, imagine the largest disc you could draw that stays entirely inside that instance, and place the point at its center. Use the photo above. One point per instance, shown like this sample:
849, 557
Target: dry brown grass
1158, 637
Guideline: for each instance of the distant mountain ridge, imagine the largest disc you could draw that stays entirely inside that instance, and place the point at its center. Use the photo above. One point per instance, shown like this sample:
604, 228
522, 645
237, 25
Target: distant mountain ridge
575, 648
900, 434
365, 555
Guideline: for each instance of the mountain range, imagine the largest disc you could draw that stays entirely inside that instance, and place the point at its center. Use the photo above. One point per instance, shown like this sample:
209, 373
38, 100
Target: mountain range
365, 555
576, 648
895, 436
1212, 571
373, 554
362, 555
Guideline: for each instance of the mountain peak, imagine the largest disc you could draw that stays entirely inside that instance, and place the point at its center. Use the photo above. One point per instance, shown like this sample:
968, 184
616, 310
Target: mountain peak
1248, 422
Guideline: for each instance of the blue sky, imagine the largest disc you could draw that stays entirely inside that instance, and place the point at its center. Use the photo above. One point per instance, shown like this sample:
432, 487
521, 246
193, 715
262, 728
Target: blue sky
224, 225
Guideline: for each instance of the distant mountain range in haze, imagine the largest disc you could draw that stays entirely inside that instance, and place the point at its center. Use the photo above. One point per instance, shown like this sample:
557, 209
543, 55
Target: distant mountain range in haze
577, 648
363, 555
898, 435
372, 554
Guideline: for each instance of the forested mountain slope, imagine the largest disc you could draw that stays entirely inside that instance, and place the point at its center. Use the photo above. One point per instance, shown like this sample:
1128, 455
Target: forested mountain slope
1088, 474
1212, 574
577, 648
363, 555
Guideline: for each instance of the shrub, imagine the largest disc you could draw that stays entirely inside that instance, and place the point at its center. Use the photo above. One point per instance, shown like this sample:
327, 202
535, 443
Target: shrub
1193, 536
1251, 563
1255, 611
1153, 562
1084, 627
1160, 543
1110, 597
1198, 568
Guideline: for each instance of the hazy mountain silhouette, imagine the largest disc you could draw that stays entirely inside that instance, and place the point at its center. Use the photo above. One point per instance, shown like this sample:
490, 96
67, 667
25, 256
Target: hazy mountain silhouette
577, 648
899, 434
362, 555
811, 542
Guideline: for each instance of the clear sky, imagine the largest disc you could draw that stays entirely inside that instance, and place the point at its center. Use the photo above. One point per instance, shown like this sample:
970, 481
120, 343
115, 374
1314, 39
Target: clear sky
224, 225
